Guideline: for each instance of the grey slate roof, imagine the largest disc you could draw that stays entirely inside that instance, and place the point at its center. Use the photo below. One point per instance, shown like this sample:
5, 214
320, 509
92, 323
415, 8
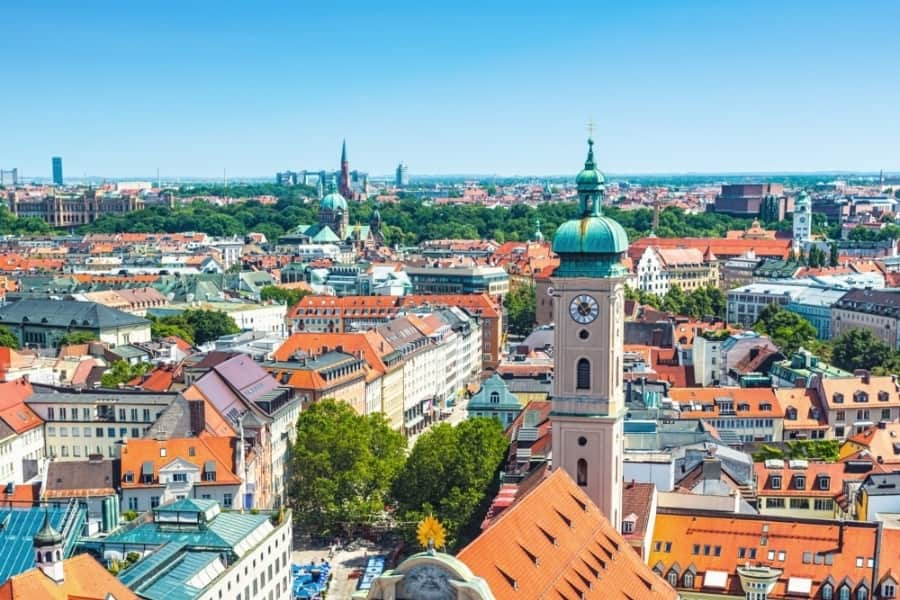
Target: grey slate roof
82, 475
66, 313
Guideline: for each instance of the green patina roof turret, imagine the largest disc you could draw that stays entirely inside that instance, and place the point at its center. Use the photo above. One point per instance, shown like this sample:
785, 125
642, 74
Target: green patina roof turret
47, 536
333, 201
592, 245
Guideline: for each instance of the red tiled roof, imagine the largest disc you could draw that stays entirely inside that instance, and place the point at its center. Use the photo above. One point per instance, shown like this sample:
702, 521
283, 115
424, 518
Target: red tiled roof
554, 542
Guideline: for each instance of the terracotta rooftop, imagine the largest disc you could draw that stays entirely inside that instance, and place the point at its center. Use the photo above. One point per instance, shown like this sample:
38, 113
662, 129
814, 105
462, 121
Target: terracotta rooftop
554, 542
85, 579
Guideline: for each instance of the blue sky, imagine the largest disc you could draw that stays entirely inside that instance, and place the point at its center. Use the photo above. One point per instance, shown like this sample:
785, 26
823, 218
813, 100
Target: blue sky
124, 88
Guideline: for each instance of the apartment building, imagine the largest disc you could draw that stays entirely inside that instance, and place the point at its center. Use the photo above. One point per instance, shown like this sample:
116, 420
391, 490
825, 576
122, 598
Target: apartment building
806, 490
156, 472
740, 415
875, 310
21, 433
854, 404
81, 423
661, 268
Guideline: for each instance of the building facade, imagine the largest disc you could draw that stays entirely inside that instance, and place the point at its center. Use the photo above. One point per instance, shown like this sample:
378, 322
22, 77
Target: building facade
588, 394
875, 310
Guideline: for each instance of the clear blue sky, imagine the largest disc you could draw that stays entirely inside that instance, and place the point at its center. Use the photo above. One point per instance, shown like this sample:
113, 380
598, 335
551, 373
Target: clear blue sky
192, 87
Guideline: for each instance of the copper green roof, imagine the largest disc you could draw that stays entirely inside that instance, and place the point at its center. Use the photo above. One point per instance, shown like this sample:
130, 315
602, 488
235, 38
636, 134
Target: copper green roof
47, 536
333, 201
591, 245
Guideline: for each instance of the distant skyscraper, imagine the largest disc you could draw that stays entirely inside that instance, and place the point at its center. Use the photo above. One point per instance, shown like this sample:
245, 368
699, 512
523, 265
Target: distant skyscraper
57, 170
402, 179
344, 181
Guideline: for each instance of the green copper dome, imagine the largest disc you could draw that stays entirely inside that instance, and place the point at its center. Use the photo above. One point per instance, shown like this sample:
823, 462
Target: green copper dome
591, 245
47, 536
333, 201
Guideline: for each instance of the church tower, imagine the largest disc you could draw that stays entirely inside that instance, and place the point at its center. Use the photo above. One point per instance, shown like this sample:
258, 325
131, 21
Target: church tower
802, 222
588, 290
48, 551
344, 182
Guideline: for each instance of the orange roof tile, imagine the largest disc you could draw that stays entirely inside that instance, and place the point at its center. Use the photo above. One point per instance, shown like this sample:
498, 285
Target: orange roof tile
555, 542
13, 410
705, 406
84, 579
713, 542
219, 449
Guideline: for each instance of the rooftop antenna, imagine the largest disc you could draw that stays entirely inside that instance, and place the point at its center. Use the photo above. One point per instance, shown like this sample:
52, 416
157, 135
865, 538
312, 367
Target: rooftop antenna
225, 176
158, 186
590, 128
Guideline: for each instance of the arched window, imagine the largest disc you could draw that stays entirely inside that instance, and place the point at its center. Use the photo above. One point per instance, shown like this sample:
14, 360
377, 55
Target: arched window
495, 397
38, 557
844, 593
673, 578
688, 580
583, 375
862, 593
581, 476
48, 557
827, 592
58, 555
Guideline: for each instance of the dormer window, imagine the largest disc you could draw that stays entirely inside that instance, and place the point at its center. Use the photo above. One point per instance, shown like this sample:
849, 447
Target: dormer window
838, 398
888, 589
800, 482
883, 396
860, 397
791, 414
824, 482
775, 481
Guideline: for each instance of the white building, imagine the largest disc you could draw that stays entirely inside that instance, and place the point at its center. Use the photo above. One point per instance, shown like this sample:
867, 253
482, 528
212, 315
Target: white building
21, 434
242, 556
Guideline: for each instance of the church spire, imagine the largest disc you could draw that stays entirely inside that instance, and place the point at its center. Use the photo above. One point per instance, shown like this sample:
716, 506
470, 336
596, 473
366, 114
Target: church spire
344, 152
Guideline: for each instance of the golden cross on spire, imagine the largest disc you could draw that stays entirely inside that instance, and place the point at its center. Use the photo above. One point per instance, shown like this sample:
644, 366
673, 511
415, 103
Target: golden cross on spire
590, 128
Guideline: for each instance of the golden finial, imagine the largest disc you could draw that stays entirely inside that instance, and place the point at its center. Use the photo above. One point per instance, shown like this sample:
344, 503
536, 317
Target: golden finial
430, 533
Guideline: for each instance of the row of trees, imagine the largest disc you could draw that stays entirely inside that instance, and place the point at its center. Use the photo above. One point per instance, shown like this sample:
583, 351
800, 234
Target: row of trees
193, 326
521, 307
406, 222
706, 301
350, 471
852, 350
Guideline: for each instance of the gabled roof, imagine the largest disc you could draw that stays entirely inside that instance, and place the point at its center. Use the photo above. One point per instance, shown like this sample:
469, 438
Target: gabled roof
14, 413
65, 313
555, 542
139, 455
85, 579
82, 479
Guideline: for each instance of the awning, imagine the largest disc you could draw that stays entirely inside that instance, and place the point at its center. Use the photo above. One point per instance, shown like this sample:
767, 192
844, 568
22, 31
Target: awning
799, 585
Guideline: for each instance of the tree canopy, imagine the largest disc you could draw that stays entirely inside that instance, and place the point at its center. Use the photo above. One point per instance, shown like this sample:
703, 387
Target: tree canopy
787, 329
8, 339
123, 372
706, 301
342, 468
194, 326
860, 349
77, 337
290, 297
451, 473
520, 309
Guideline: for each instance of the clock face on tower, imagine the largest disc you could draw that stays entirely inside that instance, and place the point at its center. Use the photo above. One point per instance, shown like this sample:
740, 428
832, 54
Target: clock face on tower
583, 309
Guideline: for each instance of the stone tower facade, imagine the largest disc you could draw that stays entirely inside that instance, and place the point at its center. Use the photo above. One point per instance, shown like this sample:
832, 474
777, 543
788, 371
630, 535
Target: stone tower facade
588, 290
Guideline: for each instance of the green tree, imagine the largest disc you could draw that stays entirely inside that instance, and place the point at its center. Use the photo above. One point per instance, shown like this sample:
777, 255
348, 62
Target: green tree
123, 372
833, 255
520, 309
859, 349
452, 473
7, 339
208, 325
674, 300
168, 326
342, 468
290, 297
77, 337
788, 330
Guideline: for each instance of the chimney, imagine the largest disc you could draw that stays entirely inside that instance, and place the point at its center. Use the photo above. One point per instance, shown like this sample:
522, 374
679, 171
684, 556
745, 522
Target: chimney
712, 468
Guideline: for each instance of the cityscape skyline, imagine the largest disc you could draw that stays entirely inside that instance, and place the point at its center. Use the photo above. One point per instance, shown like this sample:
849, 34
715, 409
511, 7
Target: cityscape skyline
672, 89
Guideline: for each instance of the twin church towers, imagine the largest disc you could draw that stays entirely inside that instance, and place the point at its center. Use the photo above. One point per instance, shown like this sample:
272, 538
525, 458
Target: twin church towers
588, 290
